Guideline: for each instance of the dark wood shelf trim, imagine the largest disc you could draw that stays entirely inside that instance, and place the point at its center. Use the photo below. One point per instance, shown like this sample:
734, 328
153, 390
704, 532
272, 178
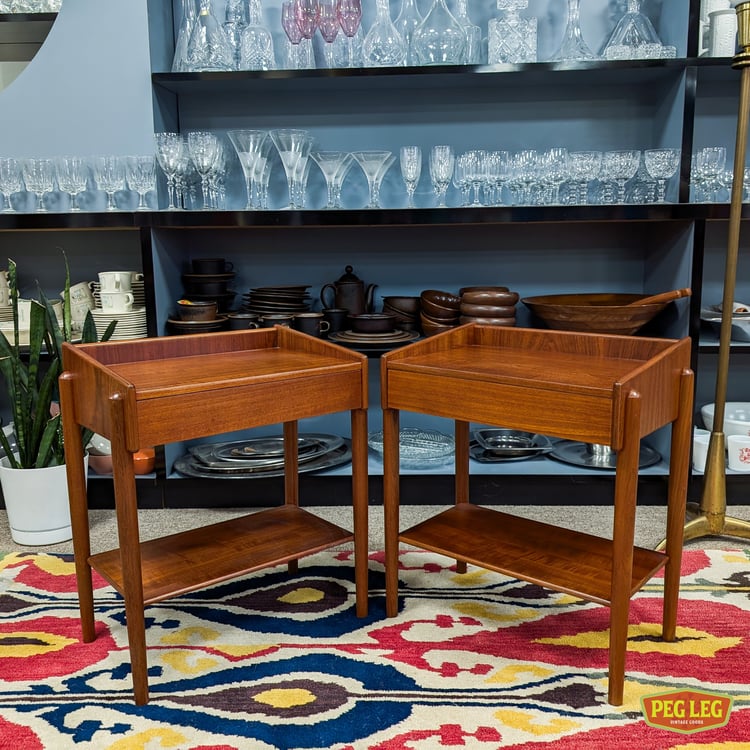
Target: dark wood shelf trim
561, 559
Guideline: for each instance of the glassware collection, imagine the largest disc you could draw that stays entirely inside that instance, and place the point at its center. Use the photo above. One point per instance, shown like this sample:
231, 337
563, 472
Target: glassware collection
30, 6
239, 35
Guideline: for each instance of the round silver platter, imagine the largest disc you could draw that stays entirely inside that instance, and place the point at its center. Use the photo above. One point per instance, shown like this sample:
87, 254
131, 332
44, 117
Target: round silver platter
594, 456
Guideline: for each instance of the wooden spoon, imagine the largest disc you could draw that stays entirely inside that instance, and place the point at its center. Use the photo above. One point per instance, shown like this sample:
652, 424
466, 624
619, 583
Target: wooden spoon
655, 299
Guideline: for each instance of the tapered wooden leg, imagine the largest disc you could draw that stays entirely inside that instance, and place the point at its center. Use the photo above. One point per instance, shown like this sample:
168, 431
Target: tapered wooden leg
126, 504
679, 469
360, 505
390, 507
461, 434
291, 473
626, 490
79, 516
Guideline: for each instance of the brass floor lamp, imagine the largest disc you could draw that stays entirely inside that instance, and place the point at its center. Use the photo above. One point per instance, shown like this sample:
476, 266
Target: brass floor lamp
709, 518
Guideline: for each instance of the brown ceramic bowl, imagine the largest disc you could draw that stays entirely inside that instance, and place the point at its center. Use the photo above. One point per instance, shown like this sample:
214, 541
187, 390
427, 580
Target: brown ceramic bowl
446, 321
407, 305
595, 313
372, 323
144, 461
436, 310
197, 310
466, 289
430, 329
488, 311
487, 297
442, 299
508, 321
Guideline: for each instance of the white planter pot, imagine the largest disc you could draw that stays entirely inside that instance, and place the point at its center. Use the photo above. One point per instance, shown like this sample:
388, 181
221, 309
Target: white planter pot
37, 504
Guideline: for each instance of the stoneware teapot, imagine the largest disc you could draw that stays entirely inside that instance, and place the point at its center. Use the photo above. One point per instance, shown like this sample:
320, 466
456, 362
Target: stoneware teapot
348, 292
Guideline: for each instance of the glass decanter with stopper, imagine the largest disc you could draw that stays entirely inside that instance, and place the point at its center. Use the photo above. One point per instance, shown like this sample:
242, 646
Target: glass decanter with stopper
406, 24
383, 46
235, 21
208, 47
573, 46
439, 39
511, 38
187, 22
256, 42
473, 53
633, 37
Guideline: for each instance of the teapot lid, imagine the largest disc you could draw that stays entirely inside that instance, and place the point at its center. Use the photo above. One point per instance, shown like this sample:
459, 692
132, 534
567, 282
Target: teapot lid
348, 275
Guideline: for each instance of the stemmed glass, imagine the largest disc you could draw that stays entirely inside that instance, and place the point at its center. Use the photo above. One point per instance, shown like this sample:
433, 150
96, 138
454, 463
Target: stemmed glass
292, 146
411, 169
554, 170
441, 162
374, 164
109, 174
11, 181
293, 32
307, 13
620, 166
708, 166
350, 17
249, 147
140, 171
340, 176
583, 166
661, 164
39, 177
328, 23
205, 150
330, 162
498, 174
72, 176
171, 152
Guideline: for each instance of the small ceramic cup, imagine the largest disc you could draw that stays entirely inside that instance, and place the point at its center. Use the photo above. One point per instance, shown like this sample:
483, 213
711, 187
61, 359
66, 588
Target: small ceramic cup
242, 321
115, 302
311, 323
701, 439
115, 281
738, 450
276, 319
80, 293
210, 266
336, 317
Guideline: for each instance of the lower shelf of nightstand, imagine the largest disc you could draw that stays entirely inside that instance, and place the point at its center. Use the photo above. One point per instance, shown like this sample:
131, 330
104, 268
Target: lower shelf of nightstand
190, 560
550, 556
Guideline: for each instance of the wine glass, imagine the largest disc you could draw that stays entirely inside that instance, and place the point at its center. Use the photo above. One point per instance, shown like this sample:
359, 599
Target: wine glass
140, 171
249, 147
171, 151
374, 164
442, 160
620, 166
72, 176
583, 166
292, 146
350, 17
330, 163
661, 164
11, 181
109, 174
708, 165
205, 150
411, 169
329, 26
293, 32
39, 178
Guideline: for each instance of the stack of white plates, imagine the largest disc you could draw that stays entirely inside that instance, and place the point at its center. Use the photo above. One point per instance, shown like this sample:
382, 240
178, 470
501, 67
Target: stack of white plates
130, 325
6, 314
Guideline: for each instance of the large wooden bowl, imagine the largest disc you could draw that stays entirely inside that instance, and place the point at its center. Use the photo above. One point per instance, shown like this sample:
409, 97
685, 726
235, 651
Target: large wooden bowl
594, 313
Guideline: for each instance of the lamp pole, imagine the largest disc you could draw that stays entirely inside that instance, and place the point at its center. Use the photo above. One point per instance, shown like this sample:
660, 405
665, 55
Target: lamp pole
710, 519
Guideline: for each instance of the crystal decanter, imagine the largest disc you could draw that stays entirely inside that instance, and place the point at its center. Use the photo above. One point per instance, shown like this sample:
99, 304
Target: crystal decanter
383, 46
511, 38
235, 21
473, 53
256, 42
187, 22
208, 47
406, 23
573, 46
439, 39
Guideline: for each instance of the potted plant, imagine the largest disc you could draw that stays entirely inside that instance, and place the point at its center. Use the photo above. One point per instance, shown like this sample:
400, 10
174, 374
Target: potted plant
38, 513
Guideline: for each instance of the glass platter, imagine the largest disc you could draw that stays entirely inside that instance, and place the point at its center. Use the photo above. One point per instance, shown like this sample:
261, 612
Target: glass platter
418, 449
190, 466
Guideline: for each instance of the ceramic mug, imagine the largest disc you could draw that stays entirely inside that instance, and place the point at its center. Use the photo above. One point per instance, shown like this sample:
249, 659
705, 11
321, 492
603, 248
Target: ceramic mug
115, 281
243, 321
276, 319
116, 301
311, 323
80, 293
722, 33
738, 450
210, 266
336, 317
701, 439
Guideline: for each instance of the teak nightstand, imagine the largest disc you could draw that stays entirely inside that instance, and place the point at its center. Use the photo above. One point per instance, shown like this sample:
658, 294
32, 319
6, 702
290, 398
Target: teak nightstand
604, 389
161, 390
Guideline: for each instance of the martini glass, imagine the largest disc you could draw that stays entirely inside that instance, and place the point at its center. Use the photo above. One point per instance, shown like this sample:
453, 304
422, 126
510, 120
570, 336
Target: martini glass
374, 164
292, 145
340, 176
330, 162
661, 164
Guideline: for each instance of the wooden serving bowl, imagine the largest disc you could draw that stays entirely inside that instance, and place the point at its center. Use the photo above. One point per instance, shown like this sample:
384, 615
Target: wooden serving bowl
595, 313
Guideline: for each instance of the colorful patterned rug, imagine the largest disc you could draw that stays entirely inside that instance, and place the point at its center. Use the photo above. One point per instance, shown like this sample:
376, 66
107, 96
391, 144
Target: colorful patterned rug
474, 661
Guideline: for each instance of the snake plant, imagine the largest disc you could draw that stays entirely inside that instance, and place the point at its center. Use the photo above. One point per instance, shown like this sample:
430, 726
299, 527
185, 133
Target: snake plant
31, 377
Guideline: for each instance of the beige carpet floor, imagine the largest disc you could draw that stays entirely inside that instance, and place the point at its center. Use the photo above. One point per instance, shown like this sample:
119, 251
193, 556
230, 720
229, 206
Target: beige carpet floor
597, 520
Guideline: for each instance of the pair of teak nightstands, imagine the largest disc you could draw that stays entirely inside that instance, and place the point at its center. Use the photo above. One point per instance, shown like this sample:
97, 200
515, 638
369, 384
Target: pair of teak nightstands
612, 390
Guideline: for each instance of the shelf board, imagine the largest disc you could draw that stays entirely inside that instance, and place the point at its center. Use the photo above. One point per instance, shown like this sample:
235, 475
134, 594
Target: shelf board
569, 561
179, 563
